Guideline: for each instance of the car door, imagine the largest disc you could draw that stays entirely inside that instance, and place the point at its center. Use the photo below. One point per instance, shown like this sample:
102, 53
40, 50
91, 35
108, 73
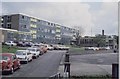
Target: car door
29, 56
15, 61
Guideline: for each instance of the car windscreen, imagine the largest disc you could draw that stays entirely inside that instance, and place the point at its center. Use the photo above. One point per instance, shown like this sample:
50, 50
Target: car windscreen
31, 49
20, 53
4, 57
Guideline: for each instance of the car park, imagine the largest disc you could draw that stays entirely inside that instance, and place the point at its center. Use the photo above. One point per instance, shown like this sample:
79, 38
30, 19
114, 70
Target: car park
35, 51
10, 43
24, 55
9, 62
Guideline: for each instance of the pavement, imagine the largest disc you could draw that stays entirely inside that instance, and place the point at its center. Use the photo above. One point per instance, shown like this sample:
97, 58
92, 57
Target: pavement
91, 64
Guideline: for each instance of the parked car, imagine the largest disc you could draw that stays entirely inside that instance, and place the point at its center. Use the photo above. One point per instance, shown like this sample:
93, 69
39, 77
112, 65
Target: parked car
35, 51
9, 62
60, 47
10, 43
91, 48
63, 47
36, 44
55, 46
24, 55
43, 48
94, 48
21, 44
104, 48
49, 47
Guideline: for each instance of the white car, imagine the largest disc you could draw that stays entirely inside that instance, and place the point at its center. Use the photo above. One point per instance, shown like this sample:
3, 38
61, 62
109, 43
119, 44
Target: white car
107, 48
35, 51
10, 43
91, 48
49, 47
66, 47
24, 55
94, 48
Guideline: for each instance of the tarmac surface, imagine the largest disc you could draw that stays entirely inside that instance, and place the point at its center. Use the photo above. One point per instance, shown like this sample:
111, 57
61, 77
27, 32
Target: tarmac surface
91, 62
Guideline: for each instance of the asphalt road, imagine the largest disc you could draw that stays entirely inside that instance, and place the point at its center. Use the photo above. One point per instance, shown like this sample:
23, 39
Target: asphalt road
44, 66
99, 58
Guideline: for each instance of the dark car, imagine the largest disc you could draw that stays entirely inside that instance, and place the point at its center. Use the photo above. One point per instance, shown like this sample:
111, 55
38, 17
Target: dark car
21, 44
9, 62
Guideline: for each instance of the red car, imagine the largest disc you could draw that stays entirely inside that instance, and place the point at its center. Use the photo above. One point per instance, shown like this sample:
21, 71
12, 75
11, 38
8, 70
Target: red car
9, 62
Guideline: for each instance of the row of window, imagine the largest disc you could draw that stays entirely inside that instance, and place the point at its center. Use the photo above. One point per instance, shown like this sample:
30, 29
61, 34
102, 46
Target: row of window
33, 25
33, 31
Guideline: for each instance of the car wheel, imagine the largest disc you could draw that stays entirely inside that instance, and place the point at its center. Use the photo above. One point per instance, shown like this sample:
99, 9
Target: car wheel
26, 62
31, 59
19, 66
12, 70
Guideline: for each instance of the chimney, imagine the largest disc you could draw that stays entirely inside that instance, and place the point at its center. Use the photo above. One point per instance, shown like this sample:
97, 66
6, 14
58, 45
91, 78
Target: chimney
103, 32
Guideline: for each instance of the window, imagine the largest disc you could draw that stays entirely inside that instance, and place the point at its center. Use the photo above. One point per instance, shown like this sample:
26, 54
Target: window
1, 19
51, 24
14, 57
45, 30
24, 26
34, 36
33, 20
53, 31
33, 25
9, 26
23, 17
33, 31
48, 23
57, 35
57, 30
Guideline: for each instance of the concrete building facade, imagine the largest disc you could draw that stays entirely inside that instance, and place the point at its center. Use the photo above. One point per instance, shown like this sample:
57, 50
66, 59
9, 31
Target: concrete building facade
34, 29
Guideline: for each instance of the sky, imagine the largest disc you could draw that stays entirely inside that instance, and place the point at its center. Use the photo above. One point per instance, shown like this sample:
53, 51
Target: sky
91, 17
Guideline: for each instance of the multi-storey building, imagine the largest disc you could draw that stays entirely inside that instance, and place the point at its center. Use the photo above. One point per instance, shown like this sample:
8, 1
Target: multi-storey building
34, 29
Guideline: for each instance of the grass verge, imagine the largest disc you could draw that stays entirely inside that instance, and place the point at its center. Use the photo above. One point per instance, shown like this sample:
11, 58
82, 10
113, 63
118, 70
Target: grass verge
9, 49
76, 50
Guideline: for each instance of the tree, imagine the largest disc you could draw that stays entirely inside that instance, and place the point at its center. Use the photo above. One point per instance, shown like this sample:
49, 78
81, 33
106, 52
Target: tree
100, 41
78, 33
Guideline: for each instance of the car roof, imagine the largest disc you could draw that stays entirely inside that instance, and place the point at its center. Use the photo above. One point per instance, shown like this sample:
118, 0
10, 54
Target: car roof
21, 50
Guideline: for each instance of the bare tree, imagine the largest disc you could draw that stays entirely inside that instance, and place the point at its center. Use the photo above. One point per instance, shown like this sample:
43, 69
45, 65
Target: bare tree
78, 33
80, 30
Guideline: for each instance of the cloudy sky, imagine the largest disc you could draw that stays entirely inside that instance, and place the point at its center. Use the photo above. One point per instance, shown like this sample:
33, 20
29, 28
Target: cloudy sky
89, 16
